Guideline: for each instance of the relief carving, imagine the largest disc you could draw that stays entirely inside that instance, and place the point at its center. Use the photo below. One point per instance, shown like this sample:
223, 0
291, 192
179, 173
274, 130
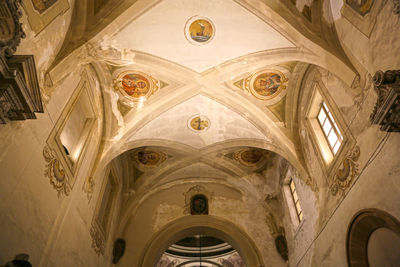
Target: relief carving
56, 173
387, 108
10, 28
349, 170
97, 240
20, 93
396, 8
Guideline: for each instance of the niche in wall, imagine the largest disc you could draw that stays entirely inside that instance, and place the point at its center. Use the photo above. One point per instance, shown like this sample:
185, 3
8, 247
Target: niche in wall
368, 234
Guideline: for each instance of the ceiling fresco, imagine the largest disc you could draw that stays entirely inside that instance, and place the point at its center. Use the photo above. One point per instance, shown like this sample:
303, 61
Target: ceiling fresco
135, 85
195, 35
199, 30
266, 84
362, 7
198, 123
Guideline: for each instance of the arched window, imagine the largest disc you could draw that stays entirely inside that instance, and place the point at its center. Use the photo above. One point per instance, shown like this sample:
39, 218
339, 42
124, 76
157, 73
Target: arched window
373, 234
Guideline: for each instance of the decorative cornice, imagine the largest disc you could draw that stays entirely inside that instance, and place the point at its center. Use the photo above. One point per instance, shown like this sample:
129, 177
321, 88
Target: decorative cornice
55, 172
386, 112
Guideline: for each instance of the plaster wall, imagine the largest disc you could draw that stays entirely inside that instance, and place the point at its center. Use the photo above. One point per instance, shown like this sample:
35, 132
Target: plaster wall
33, 218
373, 51
376, 186
45, 44
168, 204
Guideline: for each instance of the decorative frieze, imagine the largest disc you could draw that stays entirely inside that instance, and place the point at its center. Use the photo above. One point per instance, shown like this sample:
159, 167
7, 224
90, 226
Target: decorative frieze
56, 173
387, 109
349, 170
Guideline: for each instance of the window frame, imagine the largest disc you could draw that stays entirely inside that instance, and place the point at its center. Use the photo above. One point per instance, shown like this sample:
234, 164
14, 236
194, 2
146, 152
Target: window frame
72, 167
327, 159
334, 127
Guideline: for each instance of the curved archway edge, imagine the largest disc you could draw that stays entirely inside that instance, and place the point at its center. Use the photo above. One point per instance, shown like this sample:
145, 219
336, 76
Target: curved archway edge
199, 224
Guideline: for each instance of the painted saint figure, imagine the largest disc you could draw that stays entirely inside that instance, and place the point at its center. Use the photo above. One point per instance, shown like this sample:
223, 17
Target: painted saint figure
267, 84
135, 85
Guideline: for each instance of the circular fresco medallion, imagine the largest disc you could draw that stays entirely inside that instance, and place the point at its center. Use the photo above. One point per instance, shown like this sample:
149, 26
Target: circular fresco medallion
199, 30
267, 84
150, 158
249, 157
199, 123
135, 85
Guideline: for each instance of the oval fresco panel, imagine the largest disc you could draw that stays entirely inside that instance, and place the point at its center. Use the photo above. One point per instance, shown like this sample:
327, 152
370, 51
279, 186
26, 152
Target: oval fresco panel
267, 84
199, 30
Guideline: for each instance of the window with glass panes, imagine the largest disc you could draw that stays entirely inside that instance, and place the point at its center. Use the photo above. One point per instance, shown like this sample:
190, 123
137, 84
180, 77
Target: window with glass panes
330, 128
296, 201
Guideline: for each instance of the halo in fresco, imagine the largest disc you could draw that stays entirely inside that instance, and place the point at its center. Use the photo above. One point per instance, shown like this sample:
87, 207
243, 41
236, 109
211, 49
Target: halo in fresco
135, 85
266, 84
199, 30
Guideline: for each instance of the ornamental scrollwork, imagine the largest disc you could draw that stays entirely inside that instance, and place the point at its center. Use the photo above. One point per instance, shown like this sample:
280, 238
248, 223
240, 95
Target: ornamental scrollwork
349, 170
396, 8
97, 240
55, 172
11, 34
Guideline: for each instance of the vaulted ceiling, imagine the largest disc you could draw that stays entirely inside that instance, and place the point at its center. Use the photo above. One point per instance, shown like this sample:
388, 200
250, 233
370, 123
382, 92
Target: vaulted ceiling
216, 102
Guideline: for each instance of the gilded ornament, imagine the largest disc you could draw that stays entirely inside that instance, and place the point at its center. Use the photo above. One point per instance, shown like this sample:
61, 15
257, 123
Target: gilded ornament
56, 173
136, 86
347, 172
97, 240
266, 84
199, 30
148, 158
249, 157
198, 123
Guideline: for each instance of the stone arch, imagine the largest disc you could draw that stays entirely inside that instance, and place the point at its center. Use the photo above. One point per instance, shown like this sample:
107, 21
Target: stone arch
209, 225
364, 223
